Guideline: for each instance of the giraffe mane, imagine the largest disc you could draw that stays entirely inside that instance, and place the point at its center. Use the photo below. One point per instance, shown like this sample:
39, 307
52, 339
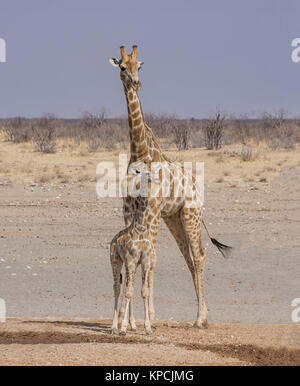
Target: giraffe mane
155, 143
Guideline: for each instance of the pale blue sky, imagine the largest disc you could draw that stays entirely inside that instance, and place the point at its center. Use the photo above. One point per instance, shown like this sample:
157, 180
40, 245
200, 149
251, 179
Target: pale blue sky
198, 54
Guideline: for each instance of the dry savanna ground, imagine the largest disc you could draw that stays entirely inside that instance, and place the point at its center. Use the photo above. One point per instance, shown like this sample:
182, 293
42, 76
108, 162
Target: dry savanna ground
73, 163
55, 274
88, 342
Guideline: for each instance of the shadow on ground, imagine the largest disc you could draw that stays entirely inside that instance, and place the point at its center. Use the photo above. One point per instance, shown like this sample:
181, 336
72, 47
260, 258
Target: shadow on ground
66, 332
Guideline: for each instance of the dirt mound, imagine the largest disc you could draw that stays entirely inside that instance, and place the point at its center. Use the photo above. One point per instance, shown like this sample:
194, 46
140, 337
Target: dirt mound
88, 342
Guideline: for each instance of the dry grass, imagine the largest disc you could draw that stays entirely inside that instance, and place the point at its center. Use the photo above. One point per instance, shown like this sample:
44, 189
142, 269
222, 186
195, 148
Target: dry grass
226, 164
73, 163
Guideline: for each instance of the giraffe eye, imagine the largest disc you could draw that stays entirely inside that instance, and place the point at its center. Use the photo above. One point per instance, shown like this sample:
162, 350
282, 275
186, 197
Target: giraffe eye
122, 68
137, 171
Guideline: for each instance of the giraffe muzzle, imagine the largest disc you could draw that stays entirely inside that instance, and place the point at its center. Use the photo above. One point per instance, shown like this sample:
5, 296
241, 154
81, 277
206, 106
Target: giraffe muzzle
137, 85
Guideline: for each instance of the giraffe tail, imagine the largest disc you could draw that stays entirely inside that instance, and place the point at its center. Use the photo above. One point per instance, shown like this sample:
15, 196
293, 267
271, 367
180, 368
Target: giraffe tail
224, 249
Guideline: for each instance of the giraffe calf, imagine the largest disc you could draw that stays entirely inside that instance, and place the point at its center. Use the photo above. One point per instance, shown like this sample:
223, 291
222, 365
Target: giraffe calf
133, 247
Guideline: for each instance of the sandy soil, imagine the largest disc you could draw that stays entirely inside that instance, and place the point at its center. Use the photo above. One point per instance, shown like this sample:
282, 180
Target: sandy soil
54, 263
72, 163
88, 342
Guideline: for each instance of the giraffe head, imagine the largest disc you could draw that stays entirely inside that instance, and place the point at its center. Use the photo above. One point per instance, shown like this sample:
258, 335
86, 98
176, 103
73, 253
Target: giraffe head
139, 178
129, 67
140, 169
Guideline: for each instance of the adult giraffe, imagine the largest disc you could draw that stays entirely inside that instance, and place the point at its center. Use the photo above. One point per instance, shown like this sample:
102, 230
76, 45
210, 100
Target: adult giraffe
183, 219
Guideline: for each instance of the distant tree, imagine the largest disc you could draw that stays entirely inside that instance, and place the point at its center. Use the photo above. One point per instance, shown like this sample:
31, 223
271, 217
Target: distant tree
214, 130
182, 135
45, 133
92, 124
17, 130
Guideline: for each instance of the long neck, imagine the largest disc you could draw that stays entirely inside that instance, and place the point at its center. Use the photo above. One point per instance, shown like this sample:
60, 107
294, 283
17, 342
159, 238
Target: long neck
143, 143
137, 130
146, 210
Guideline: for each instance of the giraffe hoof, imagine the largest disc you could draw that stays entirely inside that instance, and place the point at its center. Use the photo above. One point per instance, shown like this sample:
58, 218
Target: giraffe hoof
149, 333
122, 333
201, 325
133, 326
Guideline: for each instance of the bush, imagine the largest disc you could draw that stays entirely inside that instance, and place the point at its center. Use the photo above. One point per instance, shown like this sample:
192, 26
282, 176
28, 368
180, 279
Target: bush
242, 128
273, 129
247, 154
17, 130
182, 134
45, 133
161, 124
214, 130
92, 124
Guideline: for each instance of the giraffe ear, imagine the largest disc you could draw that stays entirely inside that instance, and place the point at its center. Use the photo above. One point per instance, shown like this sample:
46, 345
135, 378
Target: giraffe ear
140, 64
114, 62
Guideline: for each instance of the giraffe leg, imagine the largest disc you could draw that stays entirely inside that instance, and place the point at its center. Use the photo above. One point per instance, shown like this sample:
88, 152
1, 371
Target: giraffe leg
175, 226
117, 264
122, 310
191, 219
128, 295
123, 304
151, 286
154, 230
124, 322
128, 209
199, 259
131, 316
145, 296
123, 301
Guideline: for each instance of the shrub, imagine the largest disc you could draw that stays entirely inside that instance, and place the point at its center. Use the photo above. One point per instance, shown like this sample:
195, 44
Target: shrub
214, 130
182, 134
247, 154
17, 130
44, 134
92, 124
